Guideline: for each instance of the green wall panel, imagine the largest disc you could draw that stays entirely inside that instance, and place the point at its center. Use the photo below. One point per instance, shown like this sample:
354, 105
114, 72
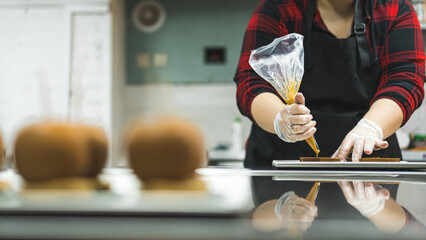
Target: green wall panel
191, 26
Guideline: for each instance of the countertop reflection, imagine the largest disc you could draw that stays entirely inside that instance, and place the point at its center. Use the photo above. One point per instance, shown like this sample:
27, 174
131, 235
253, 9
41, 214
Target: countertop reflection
236, 204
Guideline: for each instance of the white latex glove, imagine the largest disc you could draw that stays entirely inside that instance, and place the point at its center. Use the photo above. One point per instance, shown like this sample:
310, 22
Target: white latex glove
366, 136
294, 122
368, 199
295, 212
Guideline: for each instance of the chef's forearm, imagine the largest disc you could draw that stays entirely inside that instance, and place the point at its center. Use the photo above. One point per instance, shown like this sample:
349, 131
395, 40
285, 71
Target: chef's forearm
387, 114
264, 108
391, 219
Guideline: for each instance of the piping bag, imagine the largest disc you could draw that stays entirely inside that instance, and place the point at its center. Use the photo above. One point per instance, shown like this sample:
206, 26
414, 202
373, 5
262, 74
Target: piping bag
313, 193
281, 63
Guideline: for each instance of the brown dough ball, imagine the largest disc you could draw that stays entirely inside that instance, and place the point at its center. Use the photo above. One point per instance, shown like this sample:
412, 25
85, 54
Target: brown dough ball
165, 148
2, 151
70, 183
166, 184
98, 147
51, 150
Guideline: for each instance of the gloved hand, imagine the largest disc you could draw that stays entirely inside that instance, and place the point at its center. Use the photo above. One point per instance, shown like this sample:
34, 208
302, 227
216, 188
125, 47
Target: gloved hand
294, 122
295, 212
368, 199
366, 136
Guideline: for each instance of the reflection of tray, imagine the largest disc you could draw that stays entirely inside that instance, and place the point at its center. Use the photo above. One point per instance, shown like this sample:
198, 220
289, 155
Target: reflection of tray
370, 176
296, 164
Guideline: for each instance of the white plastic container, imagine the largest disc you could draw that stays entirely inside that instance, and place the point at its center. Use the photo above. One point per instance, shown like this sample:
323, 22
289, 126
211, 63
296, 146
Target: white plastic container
237, 138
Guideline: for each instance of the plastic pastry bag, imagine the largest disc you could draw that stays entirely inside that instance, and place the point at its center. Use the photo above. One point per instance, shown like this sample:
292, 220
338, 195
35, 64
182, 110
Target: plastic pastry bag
281, 63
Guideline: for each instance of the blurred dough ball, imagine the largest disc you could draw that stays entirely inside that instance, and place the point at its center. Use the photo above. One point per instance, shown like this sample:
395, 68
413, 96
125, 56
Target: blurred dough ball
165, 148
51, 150
98, 147
2, 151
59, 149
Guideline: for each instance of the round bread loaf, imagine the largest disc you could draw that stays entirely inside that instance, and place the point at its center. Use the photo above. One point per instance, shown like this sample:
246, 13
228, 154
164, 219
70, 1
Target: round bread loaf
97, 143
51, 150
165, 148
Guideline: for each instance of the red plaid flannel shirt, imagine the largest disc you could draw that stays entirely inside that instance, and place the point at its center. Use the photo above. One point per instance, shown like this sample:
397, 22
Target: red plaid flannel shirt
399, 50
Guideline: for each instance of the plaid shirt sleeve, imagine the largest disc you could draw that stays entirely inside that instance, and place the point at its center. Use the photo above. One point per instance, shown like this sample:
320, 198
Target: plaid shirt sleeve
412, 225
265, 25
401, 55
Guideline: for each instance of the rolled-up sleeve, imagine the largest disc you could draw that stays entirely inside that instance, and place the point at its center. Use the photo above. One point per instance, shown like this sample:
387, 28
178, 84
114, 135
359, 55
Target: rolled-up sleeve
402, 60
265, 25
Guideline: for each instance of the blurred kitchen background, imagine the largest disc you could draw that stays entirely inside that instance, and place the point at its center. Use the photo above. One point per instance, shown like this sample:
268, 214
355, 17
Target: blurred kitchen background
106, 62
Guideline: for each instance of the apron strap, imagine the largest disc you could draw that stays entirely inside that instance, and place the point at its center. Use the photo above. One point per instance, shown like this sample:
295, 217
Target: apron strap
360, 31
308, 19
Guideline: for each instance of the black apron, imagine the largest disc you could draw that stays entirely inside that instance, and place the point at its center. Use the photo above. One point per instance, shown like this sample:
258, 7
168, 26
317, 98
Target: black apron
339, 82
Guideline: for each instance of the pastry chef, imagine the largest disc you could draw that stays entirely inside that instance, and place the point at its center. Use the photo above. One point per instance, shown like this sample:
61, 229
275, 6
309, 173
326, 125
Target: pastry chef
364, 77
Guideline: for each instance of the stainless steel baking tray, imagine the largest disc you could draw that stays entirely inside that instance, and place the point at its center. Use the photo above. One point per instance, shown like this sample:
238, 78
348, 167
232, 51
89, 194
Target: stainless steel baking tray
296, 164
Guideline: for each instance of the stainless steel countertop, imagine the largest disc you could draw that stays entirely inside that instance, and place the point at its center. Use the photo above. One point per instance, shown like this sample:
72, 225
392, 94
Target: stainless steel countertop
224, 211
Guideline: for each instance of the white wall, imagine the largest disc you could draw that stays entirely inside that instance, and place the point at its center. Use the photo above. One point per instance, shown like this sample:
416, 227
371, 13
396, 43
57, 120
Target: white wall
55, 62
31, 65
